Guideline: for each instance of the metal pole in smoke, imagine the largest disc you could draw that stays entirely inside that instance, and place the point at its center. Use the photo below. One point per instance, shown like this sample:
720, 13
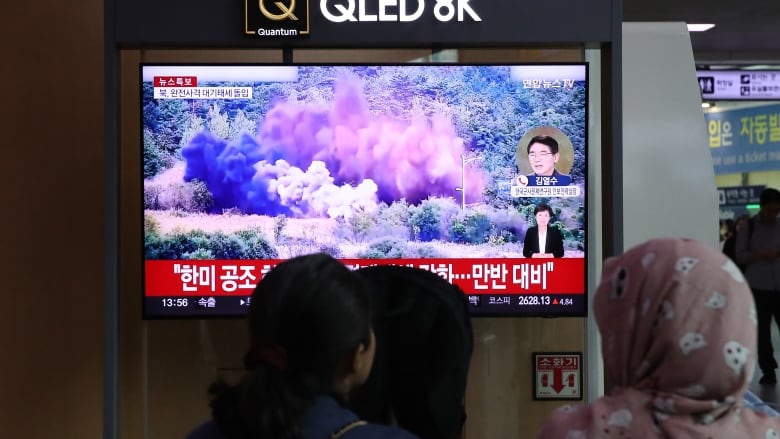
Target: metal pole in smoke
462, 188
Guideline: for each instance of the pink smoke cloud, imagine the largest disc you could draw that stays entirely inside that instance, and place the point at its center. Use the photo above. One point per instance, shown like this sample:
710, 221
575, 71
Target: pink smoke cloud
353, 158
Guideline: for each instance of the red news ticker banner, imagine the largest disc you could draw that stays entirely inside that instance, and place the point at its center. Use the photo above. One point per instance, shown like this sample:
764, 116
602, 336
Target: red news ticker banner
175, 81
473, 276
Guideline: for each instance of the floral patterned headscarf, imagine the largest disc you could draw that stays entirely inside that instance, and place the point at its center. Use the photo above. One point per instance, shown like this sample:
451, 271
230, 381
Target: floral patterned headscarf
678, 328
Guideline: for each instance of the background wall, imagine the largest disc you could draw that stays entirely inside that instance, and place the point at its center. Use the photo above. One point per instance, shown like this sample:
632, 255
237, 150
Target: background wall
51, 187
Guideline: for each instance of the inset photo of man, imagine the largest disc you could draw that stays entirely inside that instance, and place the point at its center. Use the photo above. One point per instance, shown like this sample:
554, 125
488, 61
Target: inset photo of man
544, 155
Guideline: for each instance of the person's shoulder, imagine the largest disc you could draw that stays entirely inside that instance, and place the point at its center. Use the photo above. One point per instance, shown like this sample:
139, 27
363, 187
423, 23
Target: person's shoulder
564, 421
206, 430
378, 431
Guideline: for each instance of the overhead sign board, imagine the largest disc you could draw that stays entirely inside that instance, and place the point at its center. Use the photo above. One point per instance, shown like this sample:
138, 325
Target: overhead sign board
739, 195
739, 84
744, 140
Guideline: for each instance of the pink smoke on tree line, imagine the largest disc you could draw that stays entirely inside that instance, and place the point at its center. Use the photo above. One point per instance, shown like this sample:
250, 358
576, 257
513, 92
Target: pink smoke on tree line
315, 160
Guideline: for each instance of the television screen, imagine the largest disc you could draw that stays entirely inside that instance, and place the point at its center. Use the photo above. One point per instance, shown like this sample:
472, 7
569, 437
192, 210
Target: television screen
475, 172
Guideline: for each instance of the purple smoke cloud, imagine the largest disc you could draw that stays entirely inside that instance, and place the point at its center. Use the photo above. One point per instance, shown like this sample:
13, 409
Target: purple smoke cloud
313, 160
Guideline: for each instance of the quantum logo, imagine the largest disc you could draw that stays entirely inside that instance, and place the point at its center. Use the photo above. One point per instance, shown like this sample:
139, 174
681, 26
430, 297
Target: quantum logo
276, 18
287, 12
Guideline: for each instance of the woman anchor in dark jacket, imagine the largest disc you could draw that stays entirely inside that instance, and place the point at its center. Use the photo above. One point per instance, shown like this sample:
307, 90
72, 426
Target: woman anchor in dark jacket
542, 241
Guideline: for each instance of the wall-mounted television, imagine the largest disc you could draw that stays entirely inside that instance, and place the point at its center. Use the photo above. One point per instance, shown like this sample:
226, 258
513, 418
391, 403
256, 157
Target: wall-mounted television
475, 172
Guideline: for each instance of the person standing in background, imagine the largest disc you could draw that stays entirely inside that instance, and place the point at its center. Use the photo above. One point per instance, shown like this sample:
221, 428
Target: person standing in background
726, 228
729, 244
758, 252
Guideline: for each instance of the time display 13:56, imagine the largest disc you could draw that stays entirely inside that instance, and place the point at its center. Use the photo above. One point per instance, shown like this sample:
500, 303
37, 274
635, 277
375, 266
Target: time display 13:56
175, 303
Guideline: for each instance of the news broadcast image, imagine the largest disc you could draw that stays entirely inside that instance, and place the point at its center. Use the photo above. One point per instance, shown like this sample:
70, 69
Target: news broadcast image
417, 164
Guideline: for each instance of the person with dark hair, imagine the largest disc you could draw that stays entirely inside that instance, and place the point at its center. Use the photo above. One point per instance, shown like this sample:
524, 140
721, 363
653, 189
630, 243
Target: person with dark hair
730, 237
726, 228
543, 155
312, 343
421, 366
759, 251
541, 240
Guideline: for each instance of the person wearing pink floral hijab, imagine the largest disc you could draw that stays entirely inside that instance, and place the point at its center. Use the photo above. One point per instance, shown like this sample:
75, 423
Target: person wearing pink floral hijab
678, 329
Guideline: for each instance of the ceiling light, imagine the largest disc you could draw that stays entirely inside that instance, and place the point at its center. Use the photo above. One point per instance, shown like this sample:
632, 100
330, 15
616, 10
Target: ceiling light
699, 27
707, 104
759, 67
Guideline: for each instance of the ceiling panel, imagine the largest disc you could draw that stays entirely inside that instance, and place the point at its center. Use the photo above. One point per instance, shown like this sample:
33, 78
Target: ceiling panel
745, 31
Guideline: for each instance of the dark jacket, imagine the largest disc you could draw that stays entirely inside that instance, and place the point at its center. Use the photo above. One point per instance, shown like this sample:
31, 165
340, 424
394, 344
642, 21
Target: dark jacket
554, 174
325, 418
554, 243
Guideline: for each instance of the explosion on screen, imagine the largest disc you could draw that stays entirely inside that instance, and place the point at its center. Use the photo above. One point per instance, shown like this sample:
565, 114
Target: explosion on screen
316, 160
